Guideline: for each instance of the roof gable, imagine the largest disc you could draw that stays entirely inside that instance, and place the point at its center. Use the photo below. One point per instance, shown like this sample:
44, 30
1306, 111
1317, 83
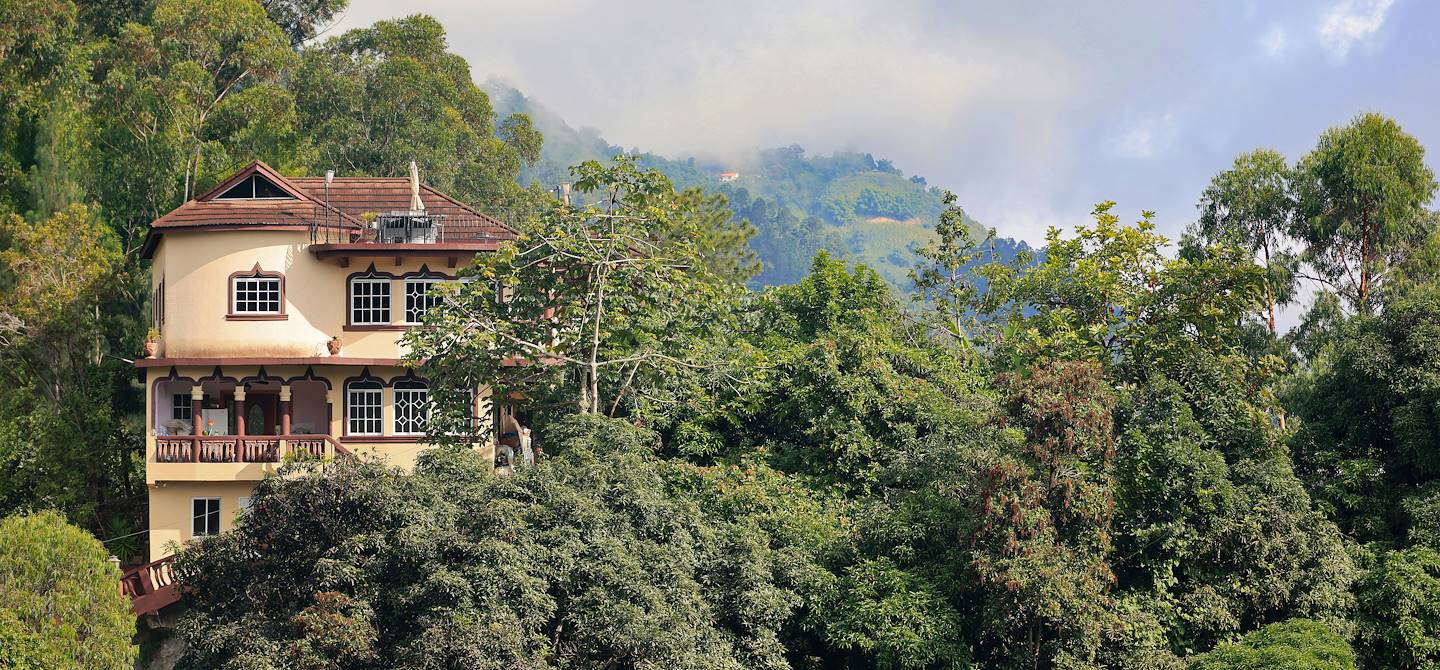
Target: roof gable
255, 168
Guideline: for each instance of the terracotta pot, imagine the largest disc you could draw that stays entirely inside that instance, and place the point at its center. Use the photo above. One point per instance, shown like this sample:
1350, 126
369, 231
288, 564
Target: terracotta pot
334, 346
151, 347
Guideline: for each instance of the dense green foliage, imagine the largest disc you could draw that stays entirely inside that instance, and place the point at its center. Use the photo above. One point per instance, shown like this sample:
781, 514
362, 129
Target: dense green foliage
59, 605
1297, 644
607, 555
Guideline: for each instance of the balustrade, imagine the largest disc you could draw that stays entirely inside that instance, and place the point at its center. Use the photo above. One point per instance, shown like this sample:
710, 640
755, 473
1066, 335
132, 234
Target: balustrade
244, 448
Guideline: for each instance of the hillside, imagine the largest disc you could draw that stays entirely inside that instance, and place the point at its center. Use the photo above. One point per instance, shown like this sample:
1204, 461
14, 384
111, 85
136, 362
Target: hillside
848, 203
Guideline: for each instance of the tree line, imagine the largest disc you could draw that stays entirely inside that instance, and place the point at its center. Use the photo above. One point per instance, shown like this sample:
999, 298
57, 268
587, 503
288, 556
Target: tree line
1102, 456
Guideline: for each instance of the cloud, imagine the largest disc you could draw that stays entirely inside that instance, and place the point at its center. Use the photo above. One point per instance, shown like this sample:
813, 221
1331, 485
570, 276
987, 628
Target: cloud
1145, 138
1275, 43
1351, 22
1029, 115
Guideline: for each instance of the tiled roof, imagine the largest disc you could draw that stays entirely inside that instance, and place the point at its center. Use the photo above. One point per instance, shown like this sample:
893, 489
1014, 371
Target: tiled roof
348, 199
275, 212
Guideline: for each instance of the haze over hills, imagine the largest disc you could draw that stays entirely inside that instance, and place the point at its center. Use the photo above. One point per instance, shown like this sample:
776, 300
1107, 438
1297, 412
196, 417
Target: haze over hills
848, 203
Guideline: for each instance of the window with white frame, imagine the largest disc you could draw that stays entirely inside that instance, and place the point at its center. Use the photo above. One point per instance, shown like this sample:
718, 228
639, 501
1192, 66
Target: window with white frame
180, 406
255, 294
370, 300
363, 401
244, 505
205, 517
420, 296
412, 407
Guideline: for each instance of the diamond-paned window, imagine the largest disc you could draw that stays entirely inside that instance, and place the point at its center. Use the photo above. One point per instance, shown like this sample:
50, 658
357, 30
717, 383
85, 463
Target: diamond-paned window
419, 298
412, 407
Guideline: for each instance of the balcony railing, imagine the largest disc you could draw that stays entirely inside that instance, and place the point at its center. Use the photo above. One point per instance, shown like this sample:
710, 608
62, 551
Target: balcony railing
416, 228
245, 448
151, 587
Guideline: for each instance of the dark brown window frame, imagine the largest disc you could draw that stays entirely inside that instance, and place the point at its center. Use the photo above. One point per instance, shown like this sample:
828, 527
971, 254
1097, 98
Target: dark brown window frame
256, 273
369, 273
365, 377
423, 274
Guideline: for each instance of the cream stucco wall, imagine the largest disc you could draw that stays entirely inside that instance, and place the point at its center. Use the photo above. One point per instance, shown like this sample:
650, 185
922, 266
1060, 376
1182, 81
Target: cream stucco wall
197, 265
171, 510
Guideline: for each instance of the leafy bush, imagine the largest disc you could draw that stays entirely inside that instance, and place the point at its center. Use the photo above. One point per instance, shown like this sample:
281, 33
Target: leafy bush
60, 602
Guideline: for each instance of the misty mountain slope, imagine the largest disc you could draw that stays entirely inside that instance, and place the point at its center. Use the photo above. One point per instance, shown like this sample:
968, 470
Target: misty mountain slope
847, 203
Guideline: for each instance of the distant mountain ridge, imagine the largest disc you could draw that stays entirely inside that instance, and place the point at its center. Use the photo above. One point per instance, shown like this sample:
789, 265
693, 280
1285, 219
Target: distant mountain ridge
847, 203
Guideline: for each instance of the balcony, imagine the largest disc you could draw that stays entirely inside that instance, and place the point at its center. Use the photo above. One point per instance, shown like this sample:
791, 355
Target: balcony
235, 457
410, 235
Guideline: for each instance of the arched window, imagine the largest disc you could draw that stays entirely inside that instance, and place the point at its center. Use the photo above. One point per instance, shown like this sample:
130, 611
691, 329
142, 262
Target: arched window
412, 406
257, 294
364, 399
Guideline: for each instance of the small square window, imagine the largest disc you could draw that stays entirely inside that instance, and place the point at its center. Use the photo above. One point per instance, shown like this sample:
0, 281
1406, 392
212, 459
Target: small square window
205, 516
180, 407
256, 295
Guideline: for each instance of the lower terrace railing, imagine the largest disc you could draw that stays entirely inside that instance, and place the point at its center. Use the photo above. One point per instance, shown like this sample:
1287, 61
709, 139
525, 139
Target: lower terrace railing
244, 448
151, 587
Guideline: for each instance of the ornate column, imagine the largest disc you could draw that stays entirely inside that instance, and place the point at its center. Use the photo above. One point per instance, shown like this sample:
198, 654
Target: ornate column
284, 409
240, 456
240, 409
335, 411
197, 398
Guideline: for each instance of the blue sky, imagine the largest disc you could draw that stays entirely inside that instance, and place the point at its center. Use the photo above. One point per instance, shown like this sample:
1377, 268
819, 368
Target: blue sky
1031, 111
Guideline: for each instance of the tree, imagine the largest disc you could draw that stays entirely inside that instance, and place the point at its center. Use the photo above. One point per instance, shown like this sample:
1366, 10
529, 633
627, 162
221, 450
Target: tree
1399, 622
42, 63
945, 278
1362, 194
165, 84
1368, 415
63, 440
1043, 522
1214, 532
1250, 206
721, 240
1109, 294
302, 20
594, 309
376, 98
1297, 644
452, 566
60, 606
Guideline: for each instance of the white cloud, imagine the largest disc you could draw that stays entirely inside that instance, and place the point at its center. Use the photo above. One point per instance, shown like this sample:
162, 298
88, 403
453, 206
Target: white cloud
1145, 138
1351, 22
1275, 43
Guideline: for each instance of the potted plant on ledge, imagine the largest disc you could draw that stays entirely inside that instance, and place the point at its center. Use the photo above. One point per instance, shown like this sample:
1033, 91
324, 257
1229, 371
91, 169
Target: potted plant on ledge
334, 345
152, 342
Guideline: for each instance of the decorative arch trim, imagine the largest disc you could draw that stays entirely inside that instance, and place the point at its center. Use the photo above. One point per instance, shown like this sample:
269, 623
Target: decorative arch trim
309, 376
254, 272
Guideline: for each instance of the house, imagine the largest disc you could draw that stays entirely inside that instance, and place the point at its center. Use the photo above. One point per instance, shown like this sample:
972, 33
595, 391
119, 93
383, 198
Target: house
280, 304
729, 176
